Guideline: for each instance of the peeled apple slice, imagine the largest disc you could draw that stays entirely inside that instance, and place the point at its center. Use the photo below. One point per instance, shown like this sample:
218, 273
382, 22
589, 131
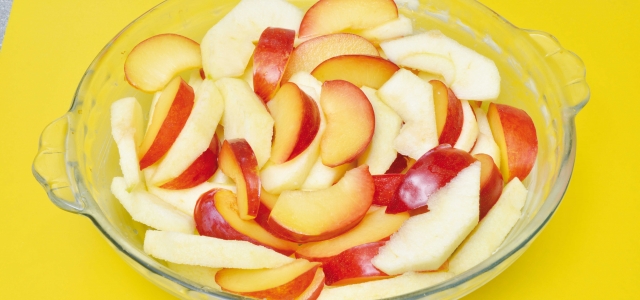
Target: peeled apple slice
127, 131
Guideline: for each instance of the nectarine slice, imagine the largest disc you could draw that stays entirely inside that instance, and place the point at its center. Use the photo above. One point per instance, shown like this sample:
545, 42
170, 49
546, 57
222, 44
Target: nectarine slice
353, 266
238, 161
491, 183
449, 115
361, 70
270, 60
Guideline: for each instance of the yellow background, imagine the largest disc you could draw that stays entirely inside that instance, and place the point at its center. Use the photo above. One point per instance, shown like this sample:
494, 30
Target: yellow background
589, 250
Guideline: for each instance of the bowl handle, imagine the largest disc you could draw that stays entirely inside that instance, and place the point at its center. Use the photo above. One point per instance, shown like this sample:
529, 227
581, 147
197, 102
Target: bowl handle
568, 66
50, 167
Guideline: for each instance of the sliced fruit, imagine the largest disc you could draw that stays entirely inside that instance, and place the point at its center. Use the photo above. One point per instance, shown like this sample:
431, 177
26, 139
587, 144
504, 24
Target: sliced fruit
127, 130
491, 183
199, 171
170, 114
390, 30
375, 226
309, 54
400, 165
331, 16
350, 122
361, 70
353, 266
238, 161
485, 142
449, 114
190, 249
297, 121
515, 134
216, 215
386, 187
306, 216
453, 213
469, 133
270, 60
185, 200
285, 282
202, 275
315, 288
155, 61
322, 177
492, 230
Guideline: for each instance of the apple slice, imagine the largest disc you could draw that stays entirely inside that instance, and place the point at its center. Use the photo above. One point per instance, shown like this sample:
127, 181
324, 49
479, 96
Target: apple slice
238, 161
127, 131
321, 177
353, 266
309, 54
485, 142
491, 183
425, 241
375, 226
228, 45
155, 61
361, 70
412, 99
386, 187
199, 171
469, 132
385, 288
170, 114
307, 216
196, 135
285, 282
150, 210
485, 239
470, 75
185, 200
350, 122
399, 27
515, 134
246, 117
216, 215
190, 249
315, 288
270, 60
449, 113
331, 16
297, 121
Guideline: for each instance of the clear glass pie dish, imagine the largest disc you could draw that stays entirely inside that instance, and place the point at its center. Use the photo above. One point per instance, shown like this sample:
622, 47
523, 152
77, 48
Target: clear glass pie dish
77, 157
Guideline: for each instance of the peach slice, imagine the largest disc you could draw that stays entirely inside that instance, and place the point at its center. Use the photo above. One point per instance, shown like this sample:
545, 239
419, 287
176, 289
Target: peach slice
400, 165
199, 171
331, 16
238, 161
375, 226
449, 115
315, 288
491, 183
515, 134
309, 54
353, 265
216, 215
361, 70
285, 282
170, 114
270, 60
155, 61
307, 216
297, 121
350, 122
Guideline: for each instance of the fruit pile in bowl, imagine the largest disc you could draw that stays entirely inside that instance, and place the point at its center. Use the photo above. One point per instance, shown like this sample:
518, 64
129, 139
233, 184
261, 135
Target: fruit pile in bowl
338, 149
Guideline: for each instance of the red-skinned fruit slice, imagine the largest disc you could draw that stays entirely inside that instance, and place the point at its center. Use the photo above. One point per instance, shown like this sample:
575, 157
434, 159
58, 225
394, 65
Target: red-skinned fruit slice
199, 171
361, 70
238, 161
491, 183
449, 114
399, 165
169, 117
430, 172
315, 288
353, 266
386, 187
216, 215
270, 60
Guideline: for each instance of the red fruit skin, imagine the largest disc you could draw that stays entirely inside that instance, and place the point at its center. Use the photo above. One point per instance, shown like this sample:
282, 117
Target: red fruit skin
455, 119
310, 126
398, 165
209, 222
270, 60
431, 172
353, 265
289, 290
491, 183
199, 171
385, 188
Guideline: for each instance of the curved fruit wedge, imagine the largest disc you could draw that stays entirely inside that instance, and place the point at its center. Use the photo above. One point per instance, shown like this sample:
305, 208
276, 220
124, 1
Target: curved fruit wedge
449, 114
353, 265
361, 70
127, 131
199, 171
239, 163
491, 183
386, 186
315, 288
270, 60
155, 61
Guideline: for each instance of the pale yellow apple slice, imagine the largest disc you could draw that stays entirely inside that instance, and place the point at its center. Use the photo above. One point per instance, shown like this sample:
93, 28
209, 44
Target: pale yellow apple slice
381, 154
331, 16
227, 47
196, 135
210, 252
385, 288
305, 216
127, 130
469, 133
492, 230
202, 275
155, 61
399, 27
412, 99
185, 200
150, 210
425, 241
471, 75
309, 54
322, 177
246, 117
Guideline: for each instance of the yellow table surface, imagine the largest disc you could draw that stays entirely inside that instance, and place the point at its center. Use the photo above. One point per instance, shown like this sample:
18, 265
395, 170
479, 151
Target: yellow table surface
589, 250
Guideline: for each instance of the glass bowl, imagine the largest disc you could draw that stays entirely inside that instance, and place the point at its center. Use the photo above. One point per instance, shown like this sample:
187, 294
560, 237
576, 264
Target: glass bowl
77, 157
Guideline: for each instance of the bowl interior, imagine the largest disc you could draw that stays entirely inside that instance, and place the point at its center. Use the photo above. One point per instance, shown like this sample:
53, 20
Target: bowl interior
527, 82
